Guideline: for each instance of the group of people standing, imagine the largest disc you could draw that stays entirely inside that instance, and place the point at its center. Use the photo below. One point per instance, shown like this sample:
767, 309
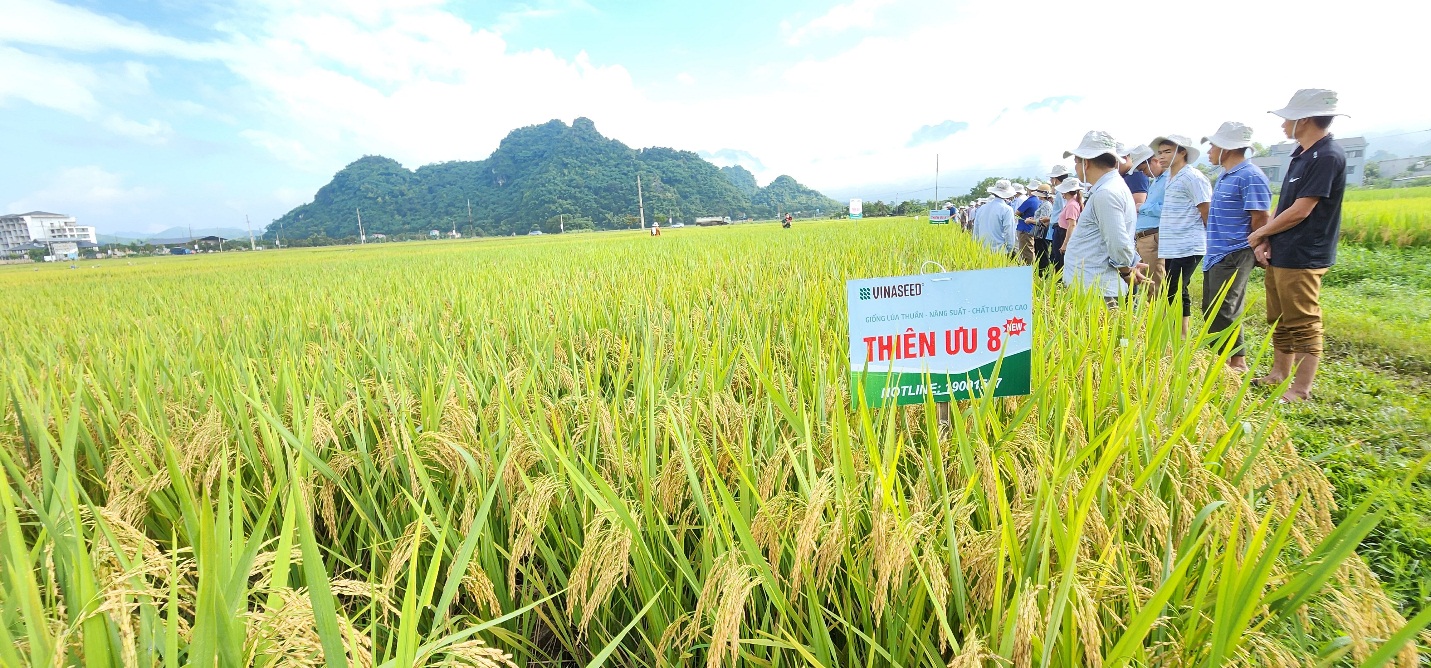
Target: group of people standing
1144, 220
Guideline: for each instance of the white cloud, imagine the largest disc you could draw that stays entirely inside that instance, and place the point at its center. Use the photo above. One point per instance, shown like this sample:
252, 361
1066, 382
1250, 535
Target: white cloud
328, 82
47, 82
856, 14
152, 132
83, 191
53, 24
286, 150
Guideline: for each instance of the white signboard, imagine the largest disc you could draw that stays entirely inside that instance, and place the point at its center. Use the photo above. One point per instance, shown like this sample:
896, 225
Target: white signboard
953, 336
857, 208
938, 216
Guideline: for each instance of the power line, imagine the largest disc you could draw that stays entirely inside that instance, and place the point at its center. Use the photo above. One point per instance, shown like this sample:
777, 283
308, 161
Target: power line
1399, 134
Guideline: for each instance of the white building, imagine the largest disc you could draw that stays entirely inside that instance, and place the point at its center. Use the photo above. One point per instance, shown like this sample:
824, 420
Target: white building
40, 228
1274, 165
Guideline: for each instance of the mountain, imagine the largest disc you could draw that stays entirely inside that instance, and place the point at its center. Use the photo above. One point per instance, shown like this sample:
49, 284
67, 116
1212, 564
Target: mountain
540, 175
741, 178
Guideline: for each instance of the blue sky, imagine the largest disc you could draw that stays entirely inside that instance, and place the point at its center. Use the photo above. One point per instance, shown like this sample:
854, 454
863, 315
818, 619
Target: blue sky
141, 115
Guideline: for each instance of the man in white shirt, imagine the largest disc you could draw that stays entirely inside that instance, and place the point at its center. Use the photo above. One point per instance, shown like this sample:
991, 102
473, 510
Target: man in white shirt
1100, 253
994, 223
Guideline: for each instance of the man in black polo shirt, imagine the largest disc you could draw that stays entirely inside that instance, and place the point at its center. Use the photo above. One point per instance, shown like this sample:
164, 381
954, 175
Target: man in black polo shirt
1300, 243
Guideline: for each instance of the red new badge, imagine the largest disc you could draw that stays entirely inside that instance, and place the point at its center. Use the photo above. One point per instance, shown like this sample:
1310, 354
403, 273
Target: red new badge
1015, 326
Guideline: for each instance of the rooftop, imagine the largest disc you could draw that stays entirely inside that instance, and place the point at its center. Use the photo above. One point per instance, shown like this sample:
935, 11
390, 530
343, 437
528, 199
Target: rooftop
35, 214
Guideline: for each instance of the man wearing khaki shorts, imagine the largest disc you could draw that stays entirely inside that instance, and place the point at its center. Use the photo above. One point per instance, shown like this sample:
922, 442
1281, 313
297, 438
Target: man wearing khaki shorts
1300, 244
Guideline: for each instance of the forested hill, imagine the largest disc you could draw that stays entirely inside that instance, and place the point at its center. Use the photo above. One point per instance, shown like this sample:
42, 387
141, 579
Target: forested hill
537, 176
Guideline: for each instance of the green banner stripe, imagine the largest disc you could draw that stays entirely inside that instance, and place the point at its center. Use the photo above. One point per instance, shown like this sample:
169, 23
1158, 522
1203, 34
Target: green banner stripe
903, 388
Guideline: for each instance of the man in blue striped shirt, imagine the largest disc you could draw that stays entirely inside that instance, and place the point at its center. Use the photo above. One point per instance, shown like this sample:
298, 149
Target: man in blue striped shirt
1240, 204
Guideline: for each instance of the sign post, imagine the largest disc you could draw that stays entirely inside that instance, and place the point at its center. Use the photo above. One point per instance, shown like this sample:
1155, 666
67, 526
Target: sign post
950, 336
856, 209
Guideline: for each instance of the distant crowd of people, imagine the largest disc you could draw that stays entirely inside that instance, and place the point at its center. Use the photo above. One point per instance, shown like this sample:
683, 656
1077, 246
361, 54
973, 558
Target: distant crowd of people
1143, 219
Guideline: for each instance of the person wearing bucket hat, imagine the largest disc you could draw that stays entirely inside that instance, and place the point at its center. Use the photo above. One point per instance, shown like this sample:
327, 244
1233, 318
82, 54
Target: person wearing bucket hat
1182, 227
1039, 221
1100, 252
1145, 235
1136, 180
1240, 202
1069, 193
994, 223
1299, 244
1056, 175
1025, 208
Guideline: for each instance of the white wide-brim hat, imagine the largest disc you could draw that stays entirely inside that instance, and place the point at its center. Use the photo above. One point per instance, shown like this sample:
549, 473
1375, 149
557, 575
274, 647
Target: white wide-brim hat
1309, 102
1068, 185
1002, 189
1057, 171
1094, 144
1230, 136
1139, 155
1184, 142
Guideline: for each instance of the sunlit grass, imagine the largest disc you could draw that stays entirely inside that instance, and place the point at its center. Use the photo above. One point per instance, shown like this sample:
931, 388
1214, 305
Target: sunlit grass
613, 449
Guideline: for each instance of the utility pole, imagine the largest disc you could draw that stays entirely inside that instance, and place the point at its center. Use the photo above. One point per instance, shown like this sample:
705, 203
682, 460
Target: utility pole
362, 238
251, 245
561, 222
641, 203
469, 214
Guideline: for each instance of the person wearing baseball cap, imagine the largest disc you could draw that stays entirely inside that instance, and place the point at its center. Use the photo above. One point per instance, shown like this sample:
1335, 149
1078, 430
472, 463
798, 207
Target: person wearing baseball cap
1299, 245
1182, 227
1241, 200
1100, 253
994, 223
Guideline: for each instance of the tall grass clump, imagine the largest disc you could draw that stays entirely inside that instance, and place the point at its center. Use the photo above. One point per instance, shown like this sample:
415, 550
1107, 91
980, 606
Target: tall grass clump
636, 452
1398, 217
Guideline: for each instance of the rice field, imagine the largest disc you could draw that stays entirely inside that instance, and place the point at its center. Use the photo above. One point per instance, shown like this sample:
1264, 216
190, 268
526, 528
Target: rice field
1394, 217
616, 450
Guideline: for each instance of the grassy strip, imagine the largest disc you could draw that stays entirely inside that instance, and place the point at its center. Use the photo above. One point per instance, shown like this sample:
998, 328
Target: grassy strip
1371, 421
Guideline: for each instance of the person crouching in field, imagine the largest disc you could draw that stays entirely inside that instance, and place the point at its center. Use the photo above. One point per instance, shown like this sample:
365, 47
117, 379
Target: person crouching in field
1182, 228
994, 224
1300, 244
1240, 203
1100, 253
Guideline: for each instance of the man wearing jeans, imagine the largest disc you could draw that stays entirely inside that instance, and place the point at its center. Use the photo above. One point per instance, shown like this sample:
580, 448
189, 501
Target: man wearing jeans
1240, 204
1300, 244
